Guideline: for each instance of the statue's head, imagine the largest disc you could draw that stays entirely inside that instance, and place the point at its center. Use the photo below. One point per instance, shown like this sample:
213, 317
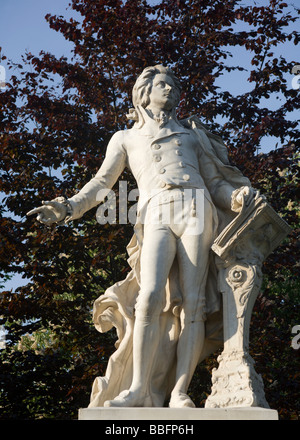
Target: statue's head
141, 93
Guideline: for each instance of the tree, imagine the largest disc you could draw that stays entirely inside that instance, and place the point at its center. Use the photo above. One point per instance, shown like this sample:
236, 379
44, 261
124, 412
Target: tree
56, 119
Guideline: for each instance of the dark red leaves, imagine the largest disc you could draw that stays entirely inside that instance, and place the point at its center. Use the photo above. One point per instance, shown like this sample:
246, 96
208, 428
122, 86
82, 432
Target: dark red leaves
56, 118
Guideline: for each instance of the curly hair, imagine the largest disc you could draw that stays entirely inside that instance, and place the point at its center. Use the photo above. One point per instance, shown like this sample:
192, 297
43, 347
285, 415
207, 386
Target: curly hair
142, 88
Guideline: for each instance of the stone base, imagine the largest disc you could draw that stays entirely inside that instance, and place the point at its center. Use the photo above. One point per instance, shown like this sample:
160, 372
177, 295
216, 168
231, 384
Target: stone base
116, 414
236, 383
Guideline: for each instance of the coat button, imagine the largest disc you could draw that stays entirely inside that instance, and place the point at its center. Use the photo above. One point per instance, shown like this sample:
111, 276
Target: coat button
156, 146
186, 177
162, 171
162, 184
157, 158
178, 142
182, 165
178, 152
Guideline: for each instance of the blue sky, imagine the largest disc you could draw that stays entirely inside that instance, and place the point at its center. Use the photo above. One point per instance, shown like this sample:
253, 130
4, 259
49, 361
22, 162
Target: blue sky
24, 28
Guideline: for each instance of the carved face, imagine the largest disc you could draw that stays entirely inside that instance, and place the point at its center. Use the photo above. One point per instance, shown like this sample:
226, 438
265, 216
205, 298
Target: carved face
162, 95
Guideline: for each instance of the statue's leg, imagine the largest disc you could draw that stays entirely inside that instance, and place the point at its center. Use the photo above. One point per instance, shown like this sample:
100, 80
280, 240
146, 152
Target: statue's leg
158, 252
193, 259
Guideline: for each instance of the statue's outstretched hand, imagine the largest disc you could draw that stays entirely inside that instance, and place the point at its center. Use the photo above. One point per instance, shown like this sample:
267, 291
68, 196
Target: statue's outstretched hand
50, 212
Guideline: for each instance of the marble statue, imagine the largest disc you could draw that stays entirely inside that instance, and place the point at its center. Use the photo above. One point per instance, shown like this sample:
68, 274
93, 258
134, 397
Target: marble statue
168, 311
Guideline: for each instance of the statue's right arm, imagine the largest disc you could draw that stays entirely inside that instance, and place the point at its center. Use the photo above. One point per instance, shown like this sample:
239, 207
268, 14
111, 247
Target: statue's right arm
92, 193
97, 188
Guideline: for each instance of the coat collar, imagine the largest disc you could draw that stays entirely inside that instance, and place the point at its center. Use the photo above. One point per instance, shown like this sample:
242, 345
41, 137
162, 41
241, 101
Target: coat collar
169, 131
152, 130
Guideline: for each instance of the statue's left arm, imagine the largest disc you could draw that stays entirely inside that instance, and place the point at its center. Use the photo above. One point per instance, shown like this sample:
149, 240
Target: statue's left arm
226, 184
228, 187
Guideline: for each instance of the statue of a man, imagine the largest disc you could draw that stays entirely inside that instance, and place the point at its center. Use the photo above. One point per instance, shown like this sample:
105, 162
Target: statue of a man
162, 309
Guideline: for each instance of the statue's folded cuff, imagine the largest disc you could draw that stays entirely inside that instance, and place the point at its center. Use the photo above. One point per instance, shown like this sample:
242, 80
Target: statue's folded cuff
69, 215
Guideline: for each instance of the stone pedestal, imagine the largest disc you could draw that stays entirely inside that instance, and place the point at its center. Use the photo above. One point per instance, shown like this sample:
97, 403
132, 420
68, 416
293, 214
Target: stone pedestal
176, 414
241, 249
